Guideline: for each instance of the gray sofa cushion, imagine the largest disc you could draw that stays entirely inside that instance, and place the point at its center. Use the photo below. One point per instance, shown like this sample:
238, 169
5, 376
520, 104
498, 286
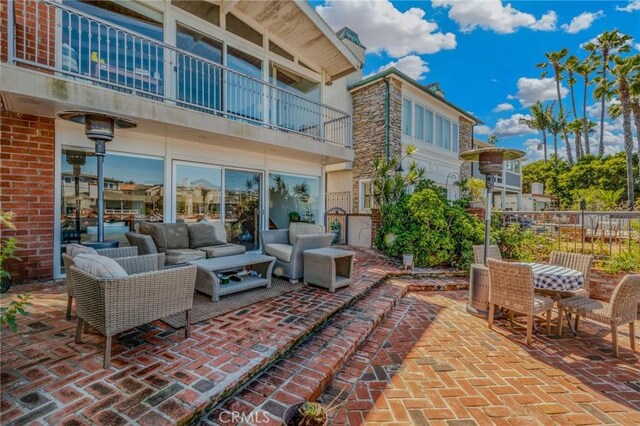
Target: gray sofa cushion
75, 249
302, 228
279, 251
99, 266
167, 235
223, 250
183, 255
203, 234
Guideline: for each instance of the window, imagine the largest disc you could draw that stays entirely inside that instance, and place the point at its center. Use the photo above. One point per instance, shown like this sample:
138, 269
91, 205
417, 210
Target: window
134, 192
241, 29
273, 47
290, 111
366, 196
446, 132
198, 192
406, 116
200, 8
428, 126
419, 118
244, 95
454, 138
293, 198
439, 135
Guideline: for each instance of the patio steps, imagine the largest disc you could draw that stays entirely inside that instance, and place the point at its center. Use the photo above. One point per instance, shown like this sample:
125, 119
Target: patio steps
305, 372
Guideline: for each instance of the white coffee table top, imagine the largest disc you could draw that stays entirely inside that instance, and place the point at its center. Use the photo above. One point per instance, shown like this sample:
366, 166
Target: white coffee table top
235, 261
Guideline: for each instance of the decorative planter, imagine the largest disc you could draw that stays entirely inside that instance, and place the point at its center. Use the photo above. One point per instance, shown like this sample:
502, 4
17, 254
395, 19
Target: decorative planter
291, 416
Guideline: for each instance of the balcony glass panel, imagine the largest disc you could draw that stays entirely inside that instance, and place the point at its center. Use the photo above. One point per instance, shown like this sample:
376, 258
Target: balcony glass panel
108, 54
199, 82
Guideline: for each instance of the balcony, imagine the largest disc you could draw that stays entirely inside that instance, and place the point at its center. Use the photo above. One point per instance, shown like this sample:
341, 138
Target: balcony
57, 39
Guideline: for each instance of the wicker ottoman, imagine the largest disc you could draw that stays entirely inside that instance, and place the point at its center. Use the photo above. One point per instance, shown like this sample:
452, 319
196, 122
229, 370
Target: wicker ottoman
328, 267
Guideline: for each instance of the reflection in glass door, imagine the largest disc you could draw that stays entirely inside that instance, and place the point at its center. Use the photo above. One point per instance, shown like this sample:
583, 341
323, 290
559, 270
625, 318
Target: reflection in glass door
242, 195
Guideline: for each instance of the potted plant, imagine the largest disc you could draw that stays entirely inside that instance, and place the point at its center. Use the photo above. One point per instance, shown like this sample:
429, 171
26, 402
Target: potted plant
336, 227
476, 192
8, 247
294, 216
306, 414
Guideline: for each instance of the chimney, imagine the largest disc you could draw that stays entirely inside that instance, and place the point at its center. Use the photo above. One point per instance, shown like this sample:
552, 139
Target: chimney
352, 41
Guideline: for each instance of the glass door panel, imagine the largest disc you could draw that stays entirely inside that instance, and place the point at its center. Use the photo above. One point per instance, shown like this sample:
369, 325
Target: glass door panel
198, 192
242, 192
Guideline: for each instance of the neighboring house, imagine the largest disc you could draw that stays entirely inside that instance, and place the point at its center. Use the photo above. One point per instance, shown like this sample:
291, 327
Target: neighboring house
507, 188
536, 201
390, 111
240, 106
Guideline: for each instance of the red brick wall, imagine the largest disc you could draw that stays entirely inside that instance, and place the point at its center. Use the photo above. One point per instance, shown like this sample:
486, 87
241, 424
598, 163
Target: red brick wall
33, 43
27, 188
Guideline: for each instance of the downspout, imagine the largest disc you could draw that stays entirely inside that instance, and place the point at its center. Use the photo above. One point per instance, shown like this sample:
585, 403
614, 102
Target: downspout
386, 118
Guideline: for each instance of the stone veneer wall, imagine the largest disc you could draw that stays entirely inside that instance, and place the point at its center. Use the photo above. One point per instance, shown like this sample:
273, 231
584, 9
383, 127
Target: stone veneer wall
369, 129
466, 144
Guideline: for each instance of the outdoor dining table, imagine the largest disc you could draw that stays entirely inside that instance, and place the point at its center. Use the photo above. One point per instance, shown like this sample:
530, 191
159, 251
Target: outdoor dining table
556, 278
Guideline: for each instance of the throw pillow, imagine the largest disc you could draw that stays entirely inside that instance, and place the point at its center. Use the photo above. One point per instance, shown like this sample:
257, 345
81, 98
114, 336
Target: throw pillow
99, 266
203, 235
75, 249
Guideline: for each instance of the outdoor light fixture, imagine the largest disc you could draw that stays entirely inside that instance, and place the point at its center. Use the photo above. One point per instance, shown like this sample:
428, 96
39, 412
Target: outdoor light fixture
100, 129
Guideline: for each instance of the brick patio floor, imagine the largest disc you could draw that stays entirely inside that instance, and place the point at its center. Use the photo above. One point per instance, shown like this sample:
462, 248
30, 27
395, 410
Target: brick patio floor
157, 377
430, 362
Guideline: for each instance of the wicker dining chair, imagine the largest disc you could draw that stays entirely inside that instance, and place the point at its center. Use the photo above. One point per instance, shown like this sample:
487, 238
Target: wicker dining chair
579, 262
623, 309
512, 288
115, 305
127, 257
478, 253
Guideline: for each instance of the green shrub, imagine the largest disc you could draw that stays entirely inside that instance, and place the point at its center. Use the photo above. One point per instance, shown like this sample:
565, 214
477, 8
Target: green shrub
623, 262
426, 225
519, 244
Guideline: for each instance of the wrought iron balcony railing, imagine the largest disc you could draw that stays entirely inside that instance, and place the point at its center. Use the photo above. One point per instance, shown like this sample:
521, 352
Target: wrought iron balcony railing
59, 39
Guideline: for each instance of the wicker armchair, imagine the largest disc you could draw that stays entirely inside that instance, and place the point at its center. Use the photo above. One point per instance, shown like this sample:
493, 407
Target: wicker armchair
623, 309
127, 257
478, 253
512, 288
113, 306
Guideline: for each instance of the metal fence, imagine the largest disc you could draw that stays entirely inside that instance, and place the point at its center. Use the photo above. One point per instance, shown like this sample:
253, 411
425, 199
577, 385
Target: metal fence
53, 36
600, 234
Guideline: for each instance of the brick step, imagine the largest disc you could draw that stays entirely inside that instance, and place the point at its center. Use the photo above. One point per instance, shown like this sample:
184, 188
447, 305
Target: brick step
305, 372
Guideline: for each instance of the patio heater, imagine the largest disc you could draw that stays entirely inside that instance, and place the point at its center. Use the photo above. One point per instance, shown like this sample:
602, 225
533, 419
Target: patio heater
100, 129
490, 162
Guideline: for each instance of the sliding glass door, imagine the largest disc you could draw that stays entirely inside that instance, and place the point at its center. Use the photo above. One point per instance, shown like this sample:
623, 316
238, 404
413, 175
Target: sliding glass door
242, 199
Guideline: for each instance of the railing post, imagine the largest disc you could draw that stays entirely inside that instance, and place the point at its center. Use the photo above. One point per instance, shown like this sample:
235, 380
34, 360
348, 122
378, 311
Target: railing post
11, 29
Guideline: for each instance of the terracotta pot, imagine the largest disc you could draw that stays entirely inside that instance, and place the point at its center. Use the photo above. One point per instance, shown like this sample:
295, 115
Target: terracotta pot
289, 417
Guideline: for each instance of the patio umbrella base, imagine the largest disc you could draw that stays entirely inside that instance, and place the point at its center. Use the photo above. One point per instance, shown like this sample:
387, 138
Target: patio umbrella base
101, 244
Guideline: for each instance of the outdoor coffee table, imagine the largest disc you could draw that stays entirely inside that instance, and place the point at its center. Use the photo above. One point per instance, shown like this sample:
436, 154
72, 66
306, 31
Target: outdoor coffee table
328, 267
207, 280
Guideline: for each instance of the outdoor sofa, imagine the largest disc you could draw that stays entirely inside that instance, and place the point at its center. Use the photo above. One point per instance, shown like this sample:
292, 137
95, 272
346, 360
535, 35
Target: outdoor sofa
183, 242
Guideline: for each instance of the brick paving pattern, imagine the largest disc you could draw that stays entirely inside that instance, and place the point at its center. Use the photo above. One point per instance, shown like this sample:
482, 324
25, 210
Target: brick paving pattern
430, 362
157, 376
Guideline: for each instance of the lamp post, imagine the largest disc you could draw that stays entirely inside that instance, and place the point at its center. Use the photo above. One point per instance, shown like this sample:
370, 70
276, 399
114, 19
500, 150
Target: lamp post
100, 129
446, 183
490, 161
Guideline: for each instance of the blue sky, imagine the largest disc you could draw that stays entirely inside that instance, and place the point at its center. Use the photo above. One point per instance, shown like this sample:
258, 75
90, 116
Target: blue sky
484, 53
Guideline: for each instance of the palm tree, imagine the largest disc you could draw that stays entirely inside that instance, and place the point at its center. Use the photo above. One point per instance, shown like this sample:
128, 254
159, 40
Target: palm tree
624, 70
492, 140
554, 60
538, 121
555, 128
586, 67
571, 67
604, 46
575, 127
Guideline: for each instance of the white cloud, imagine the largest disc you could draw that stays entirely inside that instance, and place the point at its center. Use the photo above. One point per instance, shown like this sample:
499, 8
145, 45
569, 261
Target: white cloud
593, 110
531, 90
506, 106
492, 15
482, 130
531, 148
633, 5
506, 127
582, 22
411, 65
382, 27
636, 46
